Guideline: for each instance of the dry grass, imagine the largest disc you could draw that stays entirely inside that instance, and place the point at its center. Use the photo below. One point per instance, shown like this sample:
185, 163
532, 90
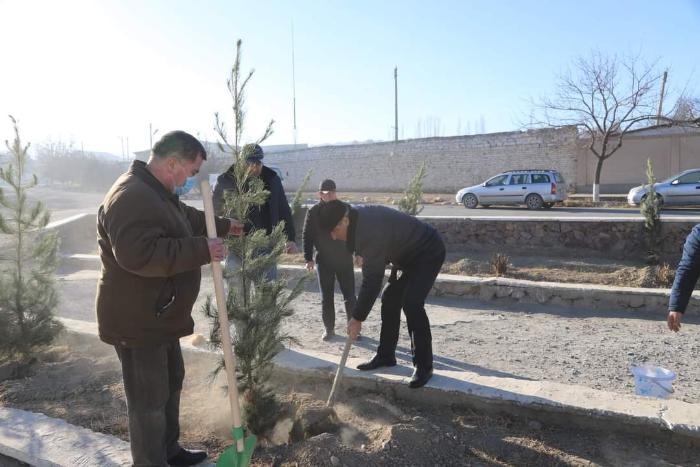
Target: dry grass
499, 264
587, 203
664, 275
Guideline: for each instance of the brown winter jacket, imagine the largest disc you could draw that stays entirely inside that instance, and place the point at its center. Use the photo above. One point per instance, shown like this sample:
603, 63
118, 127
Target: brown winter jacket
152, 247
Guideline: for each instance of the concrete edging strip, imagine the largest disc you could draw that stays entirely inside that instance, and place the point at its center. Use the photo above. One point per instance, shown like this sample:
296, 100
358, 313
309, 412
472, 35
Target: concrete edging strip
43, 441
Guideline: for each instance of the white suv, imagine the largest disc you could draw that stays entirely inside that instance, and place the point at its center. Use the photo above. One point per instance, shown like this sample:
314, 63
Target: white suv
535, 189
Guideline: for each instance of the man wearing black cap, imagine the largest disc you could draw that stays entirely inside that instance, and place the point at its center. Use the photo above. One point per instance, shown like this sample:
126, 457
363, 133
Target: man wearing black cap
333, 260
266, 216
382, 235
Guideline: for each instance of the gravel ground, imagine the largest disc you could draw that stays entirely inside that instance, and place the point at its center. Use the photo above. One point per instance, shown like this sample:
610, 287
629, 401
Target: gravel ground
593, 349
572, 346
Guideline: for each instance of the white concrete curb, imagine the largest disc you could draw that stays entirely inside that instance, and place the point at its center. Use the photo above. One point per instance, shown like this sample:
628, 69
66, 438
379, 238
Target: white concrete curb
43, 441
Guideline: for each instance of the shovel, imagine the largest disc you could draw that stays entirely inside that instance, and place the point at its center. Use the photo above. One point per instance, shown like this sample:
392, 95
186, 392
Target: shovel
240, 454
339, 372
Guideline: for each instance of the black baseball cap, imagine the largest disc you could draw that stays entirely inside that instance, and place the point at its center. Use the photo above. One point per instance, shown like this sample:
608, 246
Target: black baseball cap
252, 152
326, 186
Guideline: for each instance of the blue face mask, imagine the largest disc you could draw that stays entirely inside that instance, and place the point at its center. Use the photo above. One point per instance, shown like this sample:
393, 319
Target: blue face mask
188, 185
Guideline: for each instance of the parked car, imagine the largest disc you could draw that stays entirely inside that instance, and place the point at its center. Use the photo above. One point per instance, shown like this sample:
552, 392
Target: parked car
681, 189
536, 189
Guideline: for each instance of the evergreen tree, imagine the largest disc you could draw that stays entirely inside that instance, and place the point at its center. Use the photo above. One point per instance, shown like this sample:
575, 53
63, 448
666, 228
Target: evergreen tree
28, 297
413, 196
256, 306
651, 209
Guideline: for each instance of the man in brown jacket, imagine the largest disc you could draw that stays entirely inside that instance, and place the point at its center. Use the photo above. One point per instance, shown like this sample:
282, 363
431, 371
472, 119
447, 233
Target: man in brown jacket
152, 247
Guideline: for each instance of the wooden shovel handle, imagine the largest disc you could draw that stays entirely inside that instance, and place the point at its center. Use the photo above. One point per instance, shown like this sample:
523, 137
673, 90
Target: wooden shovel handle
224, 327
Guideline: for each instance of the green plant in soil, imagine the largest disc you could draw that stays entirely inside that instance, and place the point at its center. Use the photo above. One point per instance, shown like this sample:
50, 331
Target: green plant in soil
651, 209
256, 306
28, 296
413, 196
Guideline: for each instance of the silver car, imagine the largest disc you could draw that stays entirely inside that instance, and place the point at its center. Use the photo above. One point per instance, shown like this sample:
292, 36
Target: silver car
535, 189
681, 189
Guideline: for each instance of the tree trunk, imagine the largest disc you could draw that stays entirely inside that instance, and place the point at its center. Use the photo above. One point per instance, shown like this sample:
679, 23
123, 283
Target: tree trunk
596, 180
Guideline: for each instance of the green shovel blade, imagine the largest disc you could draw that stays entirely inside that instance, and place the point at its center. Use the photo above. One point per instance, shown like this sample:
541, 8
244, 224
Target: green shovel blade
232, 458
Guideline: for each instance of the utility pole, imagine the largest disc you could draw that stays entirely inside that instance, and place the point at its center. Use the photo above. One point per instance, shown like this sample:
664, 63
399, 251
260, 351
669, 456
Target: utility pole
294, 91
396, 104
661, 98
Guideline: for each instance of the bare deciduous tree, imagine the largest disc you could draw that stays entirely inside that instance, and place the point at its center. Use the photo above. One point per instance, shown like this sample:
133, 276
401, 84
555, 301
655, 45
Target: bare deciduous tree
604, 97
687, 109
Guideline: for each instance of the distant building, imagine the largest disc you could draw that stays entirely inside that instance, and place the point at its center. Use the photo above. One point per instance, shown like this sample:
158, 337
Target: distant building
671, 149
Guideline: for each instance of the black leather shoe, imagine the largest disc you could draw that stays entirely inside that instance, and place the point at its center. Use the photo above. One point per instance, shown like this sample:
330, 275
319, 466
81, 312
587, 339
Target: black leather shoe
328, 335
185, 457
420, 377
376, 362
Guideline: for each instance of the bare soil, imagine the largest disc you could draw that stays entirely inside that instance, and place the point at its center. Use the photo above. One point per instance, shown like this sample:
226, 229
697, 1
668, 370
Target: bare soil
84, 388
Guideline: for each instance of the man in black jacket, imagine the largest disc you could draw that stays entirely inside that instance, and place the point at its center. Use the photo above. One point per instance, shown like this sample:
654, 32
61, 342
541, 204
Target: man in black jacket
382, 235
266, 216
333, 260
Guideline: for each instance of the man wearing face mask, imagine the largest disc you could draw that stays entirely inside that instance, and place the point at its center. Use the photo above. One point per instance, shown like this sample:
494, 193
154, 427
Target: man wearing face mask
152, 247
265, 217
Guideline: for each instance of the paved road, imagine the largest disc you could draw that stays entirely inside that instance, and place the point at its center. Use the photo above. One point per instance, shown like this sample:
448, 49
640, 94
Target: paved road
66, 203
557, 212
675, 214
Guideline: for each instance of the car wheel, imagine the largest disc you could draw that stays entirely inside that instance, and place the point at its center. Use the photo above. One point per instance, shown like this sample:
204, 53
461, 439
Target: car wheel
534, 201
548, 205
470, 201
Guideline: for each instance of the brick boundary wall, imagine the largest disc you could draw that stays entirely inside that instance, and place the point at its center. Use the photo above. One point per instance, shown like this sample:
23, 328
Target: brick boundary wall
453, 162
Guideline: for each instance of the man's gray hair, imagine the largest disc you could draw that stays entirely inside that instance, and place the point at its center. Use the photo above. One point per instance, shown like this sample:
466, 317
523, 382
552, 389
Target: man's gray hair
180, 145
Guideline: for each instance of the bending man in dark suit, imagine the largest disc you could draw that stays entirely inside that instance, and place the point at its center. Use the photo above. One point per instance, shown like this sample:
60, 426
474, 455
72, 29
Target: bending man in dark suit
382, 235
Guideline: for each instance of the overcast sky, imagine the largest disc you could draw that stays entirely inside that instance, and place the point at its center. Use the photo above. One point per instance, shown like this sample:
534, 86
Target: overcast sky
98, 72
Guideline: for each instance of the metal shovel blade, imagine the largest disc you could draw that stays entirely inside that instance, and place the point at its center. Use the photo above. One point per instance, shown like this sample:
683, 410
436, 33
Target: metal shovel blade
231, 457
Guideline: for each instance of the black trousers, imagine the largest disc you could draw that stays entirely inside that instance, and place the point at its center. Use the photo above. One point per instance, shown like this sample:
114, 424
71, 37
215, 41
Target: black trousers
152, 382
328, 271
409, 292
